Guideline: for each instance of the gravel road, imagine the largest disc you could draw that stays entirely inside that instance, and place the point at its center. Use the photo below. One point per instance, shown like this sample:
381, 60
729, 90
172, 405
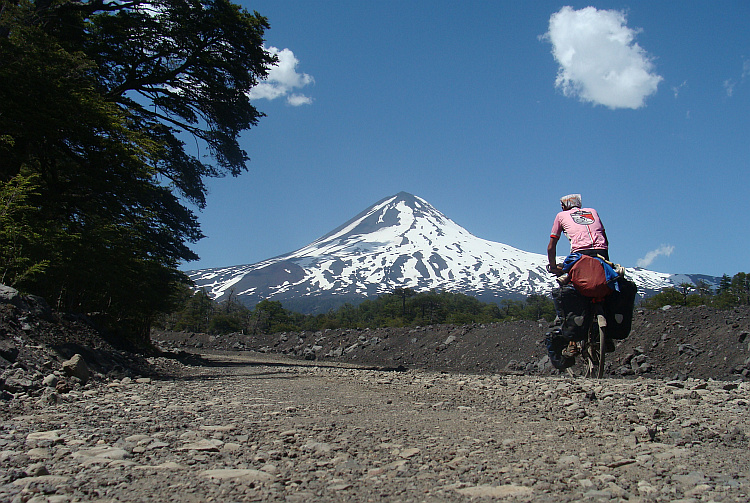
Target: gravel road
251, 427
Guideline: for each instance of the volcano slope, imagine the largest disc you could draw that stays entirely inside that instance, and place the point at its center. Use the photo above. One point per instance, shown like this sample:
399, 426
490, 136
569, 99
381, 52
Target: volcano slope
669, 343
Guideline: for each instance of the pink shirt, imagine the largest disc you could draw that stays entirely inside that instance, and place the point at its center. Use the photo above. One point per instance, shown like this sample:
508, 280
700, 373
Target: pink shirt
582, 227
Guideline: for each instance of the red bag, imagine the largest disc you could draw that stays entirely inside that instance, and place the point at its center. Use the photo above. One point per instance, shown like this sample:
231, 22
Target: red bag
589, 278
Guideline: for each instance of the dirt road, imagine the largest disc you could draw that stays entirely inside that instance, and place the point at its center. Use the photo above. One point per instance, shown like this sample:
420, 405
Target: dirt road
251, 427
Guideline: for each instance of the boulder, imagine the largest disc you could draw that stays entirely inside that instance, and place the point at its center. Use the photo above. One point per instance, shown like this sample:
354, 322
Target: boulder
76, 367
32, 304
8, 351
8, 294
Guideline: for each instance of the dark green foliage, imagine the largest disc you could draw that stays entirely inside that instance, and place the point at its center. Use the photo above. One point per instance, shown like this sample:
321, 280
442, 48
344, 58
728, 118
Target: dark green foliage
403, 293
96, 99
539, 307
419, 309
269, 316
731, 292
18, 233
668, 296
725, 284
196, 314
392, 310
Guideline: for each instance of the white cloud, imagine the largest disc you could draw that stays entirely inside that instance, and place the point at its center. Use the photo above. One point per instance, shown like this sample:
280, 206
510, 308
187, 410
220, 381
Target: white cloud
676, 89
282, 79
729, 87
299, 99
730, 84
599, 60
665, 250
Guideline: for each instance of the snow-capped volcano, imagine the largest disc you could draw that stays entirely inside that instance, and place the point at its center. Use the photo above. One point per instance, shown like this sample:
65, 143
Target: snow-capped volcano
401, 241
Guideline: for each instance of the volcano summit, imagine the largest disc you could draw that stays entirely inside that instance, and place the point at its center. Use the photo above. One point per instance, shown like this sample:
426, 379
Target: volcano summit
401, 241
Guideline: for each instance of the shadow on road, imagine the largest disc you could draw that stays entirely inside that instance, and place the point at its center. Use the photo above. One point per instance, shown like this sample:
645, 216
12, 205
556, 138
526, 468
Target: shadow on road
250, 361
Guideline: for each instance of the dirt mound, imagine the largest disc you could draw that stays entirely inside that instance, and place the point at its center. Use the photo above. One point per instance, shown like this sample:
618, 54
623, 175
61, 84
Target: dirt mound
35, 343
670, 343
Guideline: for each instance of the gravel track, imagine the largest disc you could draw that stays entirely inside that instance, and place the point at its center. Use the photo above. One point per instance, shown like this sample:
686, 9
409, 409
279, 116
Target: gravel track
433, 414
250, 427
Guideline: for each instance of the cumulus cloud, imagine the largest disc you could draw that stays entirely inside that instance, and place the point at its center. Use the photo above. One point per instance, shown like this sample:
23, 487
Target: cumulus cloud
600, 62
282, 80
665, 250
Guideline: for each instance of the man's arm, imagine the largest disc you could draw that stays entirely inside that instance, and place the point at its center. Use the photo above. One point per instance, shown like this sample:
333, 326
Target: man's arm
552, 254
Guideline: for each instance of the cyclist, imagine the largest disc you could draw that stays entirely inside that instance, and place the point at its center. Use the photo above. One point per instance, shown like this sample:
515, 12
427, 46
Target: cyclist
585, 231
583, 228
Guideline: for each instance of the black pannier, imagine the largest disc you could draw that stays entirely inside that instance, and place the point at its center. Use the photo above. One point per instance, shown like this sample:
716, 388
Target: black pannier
555, 343
618, 309
574, 312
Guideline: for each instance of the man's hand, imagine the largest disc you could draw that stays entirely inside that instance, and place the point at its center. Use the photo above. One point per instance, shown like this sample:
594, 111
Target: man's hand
554, 269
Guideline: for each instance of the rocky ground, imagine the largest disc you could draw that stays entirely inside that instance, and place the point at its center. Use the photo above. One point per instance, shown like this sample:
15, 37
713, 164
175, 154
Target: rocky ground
247, 429
432, 414
670, 343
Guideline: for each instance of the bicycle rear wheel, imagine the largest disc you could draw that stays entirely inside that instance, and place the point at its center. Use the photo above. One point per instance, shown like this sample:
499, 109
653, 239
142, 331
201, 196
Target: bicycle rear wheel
602, 323
589, 363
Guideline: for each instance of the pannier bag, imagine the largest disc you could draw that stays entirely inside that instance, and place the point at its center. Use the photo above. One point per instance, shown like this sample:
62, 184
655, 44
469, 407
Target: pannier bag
618, 309
573, 311
591, 276
555, 344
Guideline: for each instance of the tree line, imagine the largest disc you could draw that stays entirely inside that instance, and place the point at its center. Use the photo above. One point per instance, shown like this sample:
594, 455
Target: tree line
401, 308
731, 292
404, 308
98, 191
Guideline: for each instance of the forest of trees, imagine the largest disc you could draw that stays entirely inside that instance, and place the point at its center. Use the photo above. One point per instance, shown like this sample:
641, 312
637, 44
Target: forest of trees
731, 292
402, 307
98, 190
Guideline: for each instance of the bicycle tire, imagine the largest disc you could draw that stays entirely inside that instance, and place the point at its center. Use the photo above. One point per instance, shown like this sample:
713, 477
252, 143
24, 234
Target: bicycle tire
602, 346
592, 353
593, 356
587, 362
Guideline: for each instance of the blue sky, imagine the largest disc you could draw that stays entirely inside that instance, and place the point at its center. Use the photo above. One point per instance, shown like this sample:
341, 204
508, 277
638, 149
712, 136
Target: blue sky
493, 110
